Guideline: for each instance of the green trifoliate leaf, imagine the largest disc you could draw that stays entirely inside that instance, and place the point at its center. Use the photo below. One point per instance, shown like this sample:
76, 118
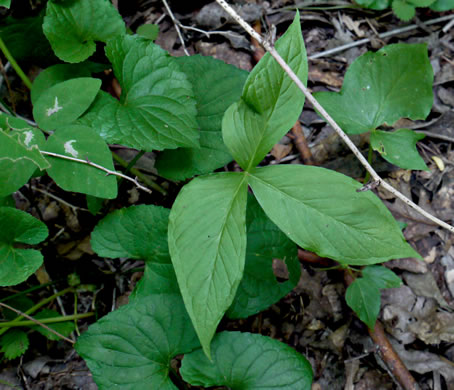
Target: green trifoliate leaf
270, 104
364, 299
14, 343
19, 156
442, 5
72, 27
399, 148
61, 72
26, 41
207, 242
246, 361
131, 348
64, 102
5, 3
382, 87
403, 10
136, 232
216, 86
82, 143
381, 277
321, 211
259, 287
156, 109
16, 264
148, 31
64, 328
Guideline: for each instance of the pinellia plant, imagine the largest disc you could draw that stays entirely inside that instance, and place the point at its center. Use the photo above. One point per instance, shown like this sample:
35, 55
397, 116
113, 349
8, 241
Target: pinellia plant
210, 255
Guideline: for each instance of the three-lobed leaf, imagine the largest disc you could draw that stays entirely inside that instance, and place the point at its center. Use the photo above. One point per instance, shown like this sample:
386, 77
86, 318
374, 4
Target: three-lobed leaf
321, 211
17, 264
131, 348
216, 86
73, 27
399, 148
270, 104
207, 243
246, 361
81, 142
382, 87
14, 343
156, 110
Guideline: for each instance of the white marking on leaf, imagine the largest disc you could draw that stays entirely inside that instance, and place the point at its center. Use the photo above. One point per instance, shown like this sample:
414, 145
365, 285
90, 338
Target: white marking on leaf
69, 148
54, 109
28, 137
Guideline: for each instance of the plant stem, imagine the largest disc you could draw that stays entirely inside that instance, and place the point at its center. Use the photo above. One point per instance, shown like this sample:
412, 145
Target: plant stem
269, 48
37, 306
34, 288
139, 174
50, 320
15, 65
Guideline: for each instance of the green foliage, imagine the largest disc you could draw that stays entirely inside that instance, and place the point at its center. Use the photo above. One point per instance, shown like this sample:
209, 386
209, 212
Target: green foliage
368, 99
156, 108
270, 103
148, 31
81, 142
442, 5
18, 264
363, 295
399, 148
64, 328
216, 86
406, 9
5, 3
72, 27
245, 361
64, 102
131, 348
14, 343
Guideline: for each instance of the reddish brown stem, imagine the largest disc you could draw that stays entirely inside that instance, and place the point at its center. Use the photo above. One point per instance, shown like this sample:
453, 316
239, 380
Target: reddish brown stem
301, 144
387, 352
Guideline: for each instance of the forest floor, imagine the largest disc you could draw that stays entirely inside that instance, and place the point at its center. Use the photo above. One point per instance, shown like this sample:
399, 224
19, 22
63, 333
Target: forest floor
314, 319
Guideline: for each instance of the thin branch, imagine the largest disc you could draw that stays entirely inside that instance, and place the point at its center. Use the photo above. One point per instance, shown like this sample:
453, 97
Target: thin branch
381, 36
97, 166
177, 26
62, 201
436, 135
327, 117
37, 322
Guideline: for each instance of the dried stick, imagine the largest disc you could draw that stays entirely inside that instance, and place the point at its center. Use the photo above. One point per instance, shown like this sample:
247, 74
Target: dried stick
301, 144
37, 322
97, 166
387, 352
177, 24
269, 48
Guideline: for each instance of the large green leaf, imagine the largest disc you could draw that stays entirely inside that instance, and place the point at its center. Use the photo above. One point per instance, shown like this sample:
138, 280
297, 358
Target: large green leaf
246, 361
136, 232
207, 242
382, 87
61, 72
399, 148
64, 102
364, 299
131, 348
19, 153
16, 264
216, 86
259, 288
5, 3
442, 5
156, 109
381, 277
81, 142
73, 26
139, 232
322, 212
270, 104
